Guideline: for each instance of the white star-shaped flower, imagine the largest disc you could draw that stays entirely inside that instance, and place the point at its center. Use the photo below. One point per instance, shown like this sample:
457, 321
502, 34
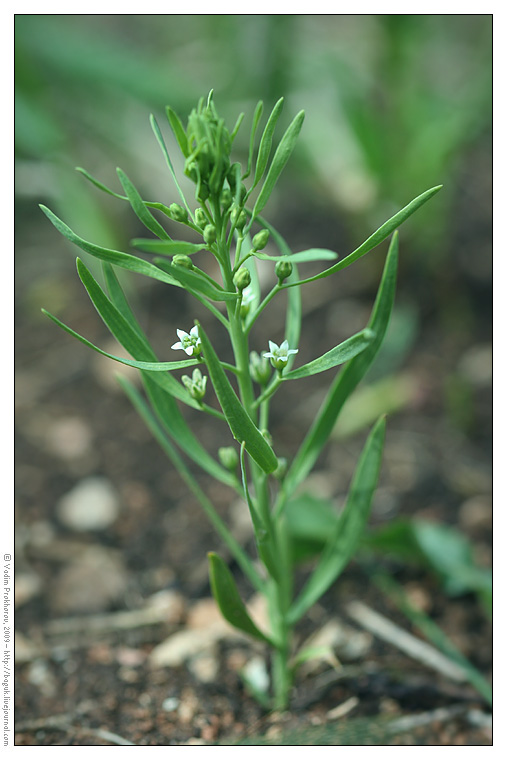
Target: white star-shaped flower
279, 355
190, 343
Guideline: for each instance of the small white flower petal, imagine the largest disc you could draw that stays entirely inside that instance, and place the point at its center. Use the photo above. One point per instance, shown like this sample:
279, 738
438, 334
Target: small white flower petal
273, 347
195, 332
182, 334
189, 350
284, 346
177, 346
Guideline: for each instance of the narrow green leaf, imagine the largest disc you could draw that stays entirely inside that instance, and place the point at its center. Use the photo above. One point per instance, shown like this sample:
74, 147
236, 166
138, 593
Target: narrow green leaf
169, 414
147, 366
312, 254
124, 260
129, 335
338, 355
237, 552
100, 185
348, 378
265, 143
139, 207
178, 130
241, 425
236, 127
165, 152
378, 237
255, 124
194, 282
351, 523
167, 247
228, 599
151, 204
282, 155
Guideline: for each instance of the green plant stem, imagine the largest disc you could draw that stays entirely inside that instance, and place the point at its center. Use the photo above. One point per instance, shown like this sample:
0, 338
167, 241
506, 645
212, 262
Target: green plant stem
262, 306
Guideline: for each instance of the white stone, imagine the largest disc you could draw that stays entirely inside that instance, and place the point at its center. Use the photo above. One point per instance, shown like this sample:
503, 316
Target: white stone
93, 504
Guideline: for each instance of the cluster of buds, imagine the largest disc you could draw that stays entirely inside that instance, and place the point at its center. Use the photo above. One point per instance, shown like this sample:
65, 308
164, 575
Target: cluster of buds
209, 144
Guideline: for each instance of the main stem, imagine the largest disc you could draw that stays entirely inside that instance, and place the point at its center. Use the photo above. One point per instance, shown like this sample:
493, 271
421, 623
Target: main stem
280, 587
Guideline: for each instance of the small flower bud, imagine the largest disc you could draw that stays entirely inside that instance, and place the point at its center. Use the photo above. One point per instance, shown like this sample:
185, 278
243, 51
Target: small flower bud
238, 218
226, 198
229, 458
195, 386
247, 299
203, 192
200, 218
283, 269
209, 234
260, 370
242, 278
182, 260
178, 213
259, 240
231, 175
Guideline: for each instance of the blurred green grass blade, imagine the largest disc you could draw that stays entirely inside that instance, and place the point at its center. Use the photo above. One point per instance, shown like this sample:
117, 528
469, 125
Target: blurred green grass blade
237, 552
236, 127
139, 207
118, 298
338, 355
350, 526
282, 155
170, 416
147, 366
124, 260
378, 237
261, 531
255, 123
312, 254
178, 130
241, 425
167, 247
194, 282
348, 378
265, 142
228, 599
433, 633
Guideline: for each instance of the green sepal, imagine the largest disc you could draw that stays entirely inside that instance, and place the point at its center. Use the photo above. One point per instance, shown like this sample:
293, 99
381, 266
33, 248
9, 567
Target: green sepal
123, 260
338, 355
227, 597
139, 207
350, 525
241, 425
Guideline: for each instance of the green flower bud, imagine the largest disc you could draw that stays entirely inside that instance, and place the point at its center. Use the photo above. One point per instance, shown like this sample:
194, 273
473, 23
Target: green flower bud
226, 198
231, 175
229, 458
195, 386
203, 192
242, 278
182, 260
209, 234
283, 269
260, 369
178, 213
259, 240
238, 218
200, 218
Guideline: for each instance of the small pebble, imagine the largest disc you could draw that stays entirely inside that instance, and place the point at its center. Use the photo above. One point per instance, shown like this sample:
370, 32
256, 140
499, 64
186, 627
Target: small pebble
93, 504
